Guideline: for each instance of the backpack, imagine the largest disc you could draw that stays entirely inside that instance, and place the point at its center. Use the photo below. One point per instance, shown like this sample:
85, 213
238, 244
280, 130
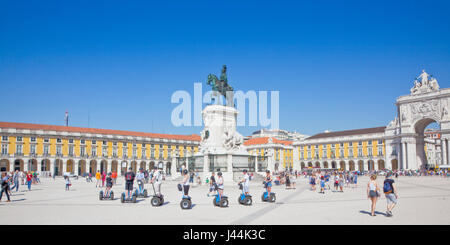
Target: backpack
387, 187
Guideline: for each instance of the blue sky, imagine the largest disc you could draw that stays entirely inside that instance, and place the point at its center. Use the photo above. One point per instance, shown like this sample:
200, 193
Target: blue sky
337, 64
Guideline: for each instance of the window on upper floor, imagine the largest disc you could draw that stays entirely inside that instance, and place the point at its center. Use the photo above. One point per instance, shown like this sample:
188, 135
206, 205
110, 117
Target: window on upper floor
83, 142
70, 150
104, 142
58, 140
32, 149
33, 139
360, 143
380, 151
380, 142
19, 138
370, 142
58, 150
114, 143
4, 149
94, 142
70, 141
4, 138
350, 144
47, 140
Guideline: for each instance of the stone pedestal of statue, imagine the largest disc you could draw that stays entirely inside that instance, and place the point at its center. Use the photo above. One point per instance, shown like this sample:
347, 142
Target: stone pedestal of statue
221, 148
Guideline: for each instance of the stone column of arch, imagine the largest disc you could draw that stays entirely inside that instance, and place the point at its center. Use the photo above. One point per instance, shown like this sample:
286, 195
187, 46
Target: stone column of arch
76, 167
39, 165
109, 166
444, 151
64, 170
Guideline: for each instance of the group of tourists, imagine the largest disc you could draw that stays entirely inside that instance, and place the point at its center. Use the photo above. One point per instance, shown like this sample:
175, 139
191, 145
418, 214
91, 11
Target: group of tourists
339, 179
389, 190
12, 180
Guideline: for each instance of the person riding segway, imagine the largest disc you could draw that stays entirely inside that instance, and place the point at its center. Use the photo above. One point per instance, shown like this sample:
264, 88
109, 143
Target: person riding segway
268, 196
108, 194
140, 178
129, 180
245, 198
186, 202
219, 199
158, 198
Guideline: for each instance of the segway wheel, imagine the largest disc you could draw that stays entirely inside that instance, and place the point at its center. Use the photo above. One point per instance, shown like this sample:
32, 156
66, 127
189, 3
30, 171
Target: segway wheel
272, 197
133, 199
224, 202
100, 195
111, 195
154, 201
185, 204
122, 198
262, 198
248, 201
145, 193
240, 200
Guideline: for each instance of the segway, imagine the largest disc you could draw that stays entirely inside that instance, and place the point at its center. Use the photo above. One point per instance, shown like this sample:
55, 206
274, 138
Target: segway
220, 201
265, 196
141, 192
102, 195
243, 199
156, 200
125, 199
186, 202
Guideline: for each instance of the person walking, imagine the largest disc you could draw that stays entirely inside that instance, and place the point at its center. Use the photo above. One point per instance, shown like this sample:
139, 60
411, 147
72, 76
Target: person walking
98, 177
372, 193
103, 178
5, 179
29, 178
15, 180
68, 184
390, 191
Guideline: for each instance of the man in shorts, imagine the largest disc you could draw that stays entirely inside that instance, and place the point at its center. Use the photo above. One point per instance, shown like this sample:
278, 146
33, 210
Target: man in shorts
391, 194
245, 182
129, 180
157, 180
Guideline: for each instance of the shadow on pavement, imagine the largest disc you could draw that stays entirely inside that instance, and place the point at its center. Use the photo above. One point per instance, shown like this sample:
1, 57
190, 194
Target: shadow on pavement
368, 213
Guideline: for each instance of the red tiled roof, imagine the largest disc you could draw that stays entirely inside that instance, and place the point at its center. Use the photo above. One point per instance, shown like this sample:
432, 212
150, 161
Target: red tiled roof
31, 126
348, 132
265, 140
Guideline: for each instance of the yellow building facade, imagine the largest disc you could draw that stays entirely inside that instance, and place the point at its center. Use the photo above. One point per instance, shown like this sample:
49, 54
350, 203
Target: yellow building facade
73, 150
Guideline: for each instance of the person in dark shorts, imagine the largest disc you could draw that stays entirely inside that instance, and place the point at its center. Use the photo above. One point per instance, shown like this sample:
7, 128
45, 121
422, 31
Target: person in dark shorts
129, 180
109, 183
211, 184
390, 191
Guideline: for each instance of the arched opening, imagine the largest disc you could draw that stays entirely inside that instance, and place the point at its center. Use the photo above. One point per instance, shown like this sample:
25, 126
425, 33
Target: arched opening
81, 167
58, 167
302, 165
152, 165
124, 167
18, 165
325, 164
317, 164
134, 166
351, 166
4, 165
371, 165
45, 165
394, 164
333, 165
103, 166
70, 168
381, 164
168, 168
33, 165
93, 167
422, 126
342, 166
114, 166
310, 164
360, 165
142, 165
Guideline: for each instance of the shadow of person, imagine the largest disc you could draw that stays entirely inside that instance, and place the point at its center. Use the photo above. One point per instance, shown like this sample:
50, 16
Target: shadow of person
369, 213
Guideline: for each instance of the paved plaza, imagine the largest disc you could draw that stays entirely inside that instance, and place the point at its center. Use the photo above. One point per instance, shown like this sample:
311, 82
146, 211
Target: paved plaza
422, 200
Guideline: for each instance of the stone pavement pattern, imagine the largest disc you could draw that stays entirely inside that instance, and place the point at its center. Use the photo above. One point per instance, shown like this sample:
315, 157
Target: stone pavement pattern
423, 200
